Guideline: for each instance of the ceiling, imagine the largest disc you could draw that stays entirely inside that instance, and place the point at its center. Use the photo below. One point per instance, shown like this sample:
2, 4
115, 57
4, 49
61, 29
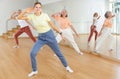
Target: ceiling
48, 1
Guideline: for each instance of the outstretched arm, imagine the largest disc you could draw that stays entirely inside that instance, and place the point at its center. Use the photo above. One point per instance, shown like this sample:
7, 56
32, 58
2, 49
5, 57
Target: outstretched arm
98, 17
56, 29
73, 29
56, 15
23, 16
26, 11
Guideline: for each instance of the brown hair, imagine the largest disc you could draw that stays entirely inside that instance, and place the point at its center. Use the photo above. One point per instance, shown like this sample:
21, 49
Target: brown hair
19, 10
65, 16
106, 14
95, 14
37, 3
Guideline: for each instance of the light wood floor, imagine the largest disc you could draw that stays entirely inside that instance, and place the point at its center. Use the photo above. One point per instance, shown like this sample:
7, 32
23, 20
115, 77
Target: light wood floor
15, 63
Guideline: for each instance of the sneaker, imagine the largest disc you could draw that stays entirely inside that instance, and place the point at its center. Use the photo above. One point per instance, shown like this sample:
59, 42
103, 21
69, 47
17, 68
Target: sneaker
16, 46
80, 53
55, 55
32, 73
69, 69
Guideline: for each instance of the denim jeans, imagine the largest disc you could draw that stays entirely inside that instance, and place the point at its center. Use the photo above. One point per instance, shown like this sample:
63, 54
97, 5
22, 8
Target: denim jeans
49, 39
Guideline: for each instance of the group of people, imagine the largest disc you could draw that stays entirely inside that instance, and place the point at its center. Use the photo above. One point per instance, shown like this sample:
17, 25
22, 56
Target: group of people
42, 23
104, 33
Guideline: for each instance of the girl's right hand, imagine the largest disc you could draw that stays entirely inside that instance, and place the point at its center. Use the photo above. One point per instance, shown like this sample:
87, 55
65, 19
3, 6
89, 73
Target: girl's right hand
29, 10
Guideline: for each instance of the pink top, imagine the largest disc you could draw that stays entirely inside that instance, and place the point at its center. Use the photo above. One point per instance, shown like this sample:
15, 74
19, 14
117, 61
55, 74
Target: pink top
63, 22
108, 23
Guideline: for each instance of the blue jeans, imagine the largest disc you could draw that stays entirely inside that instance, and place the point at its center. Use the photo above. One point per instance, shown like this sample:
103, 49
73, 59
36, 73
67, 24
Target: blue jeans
49, 39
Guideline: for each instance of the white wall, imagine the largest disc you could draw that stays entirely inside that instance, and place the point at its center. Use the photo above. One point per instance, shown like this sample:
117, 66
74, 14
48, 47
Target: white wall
80, 11
48, 1
7, 7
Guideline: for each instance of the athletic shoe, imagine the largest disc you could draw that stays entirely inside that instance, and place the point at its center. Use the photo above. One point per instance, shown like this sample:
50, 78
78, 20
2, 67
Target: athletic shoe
32, 73
55, 55
80, 53
16, 46
69, 69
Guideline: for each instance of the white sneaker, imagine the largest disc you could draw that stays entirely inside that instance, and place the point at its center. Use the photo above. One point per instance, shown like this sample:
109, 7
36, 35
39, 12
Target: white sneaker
55, 55
69, 69
16, 46
32, 73
80, 53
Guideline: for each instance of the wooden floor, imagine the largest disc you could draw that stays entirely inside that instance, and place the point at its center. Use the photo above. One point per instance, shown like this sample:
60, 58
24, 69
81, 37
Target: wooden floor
15, 63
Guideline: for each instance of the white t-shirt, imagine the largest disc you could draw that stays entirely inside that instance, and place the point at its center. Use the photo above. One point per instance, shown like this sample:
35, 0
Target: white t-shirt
95, 23
22, 23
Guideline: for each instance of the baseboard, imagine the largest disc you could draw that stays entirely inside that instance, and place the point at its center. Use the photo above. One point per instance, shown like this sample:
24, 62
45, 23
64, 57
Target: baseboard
98, 55
103, 56
110, 58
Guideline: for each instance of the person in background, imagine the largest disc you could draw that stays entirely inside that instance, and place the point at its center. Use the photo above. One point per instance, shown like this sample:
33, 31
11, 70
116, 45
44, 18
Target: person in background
43, 24
93, 27
24, 28
66, 27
